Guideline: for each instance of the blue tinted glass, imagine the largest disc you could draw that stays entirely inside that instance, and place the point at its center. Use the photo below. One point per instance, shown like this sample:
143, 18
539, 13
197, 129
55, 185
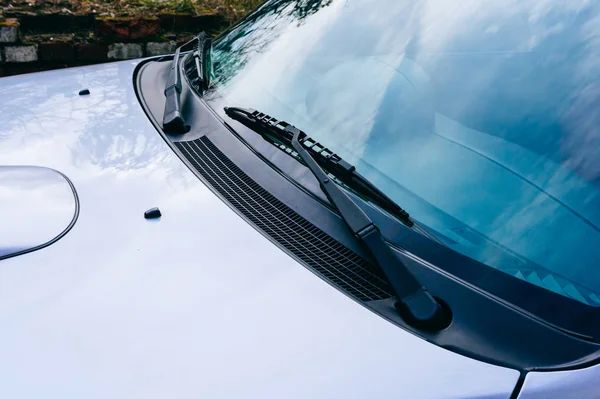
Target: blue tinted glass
480, 118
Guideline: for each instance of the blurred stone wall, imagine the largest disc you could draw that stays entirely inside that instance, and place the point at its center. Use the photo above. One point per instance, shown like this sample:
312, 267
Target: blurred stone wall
32, 42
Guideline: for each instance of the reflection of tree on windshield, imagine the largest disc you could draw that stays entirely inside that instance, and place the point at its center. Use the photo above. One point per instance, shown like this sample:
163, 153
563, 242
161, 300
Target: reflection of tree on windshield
304, 8
299, 9
258, 31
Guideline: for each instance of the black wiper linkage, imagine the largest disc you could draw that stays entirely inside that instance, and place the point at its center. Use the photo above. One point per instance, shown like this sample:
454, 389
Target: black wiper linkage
416, 306
173, 121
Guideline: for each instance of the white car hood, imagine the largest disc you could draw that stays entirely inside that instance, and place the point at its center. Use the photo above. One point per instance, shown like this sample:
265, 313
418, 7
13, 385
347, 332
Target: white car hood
197, 304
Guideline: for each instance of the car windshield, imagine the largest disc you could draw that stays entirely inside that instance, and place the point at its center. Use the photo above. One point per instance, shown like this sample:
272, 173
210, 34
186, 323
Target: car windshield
480, 118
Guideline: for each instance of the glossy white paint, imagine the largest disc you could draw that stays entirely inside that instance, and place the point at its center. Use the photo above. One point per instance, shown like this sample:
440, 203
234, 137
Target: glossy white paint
36, 206
574, 384
196, 304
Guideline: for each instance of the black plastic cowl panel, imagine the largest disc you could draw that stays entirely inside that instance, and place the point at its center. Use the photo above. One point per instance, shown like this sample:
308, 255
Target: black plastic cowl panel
333, 261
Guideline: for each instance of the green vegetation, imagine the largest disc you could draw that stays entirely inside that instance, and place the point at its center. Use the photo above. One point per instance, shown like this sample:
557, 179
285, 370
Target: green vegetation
119, 8
193, 7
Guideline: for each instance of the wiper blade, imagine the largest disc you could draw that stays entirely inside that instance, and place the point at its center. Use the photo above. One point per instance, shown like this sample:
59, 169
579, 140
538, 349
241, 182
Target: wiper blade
417, 307
201, 70
331, 162
173, 120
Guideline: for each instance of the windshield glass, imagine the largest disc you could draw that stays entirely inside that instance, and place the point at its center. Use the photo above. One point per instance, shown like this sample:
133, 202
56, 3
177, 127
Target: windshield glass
480, 118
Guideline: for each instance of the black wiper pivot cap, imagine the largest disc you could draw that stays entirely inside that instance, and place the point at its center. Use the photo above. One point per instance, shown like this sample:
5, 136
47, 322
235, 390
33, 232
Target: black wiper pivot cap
420, 312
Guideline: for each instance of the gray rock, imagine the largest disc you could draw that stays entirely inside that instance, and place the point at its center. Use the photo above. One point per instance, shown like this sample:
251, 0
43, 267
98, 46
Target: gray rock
21, 53
9, 34
125, 51
153, 49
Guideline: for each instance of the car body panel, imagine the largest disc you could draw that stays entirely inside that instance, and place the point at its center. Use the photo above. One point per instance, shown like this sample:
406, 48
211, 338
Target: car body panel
571, 384
196, 304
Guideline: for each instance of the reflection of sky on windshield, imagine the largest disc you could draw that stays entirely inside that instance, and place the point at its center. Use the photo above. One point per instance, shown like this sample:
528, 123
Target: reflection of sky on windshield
523, 23
477, 117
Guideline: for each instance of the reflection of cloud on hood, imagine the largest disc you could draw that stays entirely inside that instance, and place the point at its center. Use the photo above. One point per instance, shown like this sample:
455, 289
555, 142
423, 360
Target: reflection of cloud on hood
107, 131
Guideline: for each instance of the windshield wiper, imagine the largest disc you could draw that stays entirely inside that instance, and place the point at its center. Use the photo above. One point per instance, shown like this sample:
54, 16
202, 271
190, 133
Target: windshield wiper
173, 121
416, 306
343, 171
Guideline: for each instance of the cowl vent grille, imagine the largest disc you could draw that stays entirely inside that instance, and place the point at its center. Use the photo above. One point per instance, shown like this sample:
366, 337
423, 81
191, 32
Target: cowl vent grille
322, 253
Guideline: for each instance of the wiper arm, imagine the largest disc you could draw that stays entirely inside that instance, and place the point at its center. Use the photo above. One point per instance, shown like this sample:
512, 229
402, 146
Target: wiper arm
416, 306
173, 121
